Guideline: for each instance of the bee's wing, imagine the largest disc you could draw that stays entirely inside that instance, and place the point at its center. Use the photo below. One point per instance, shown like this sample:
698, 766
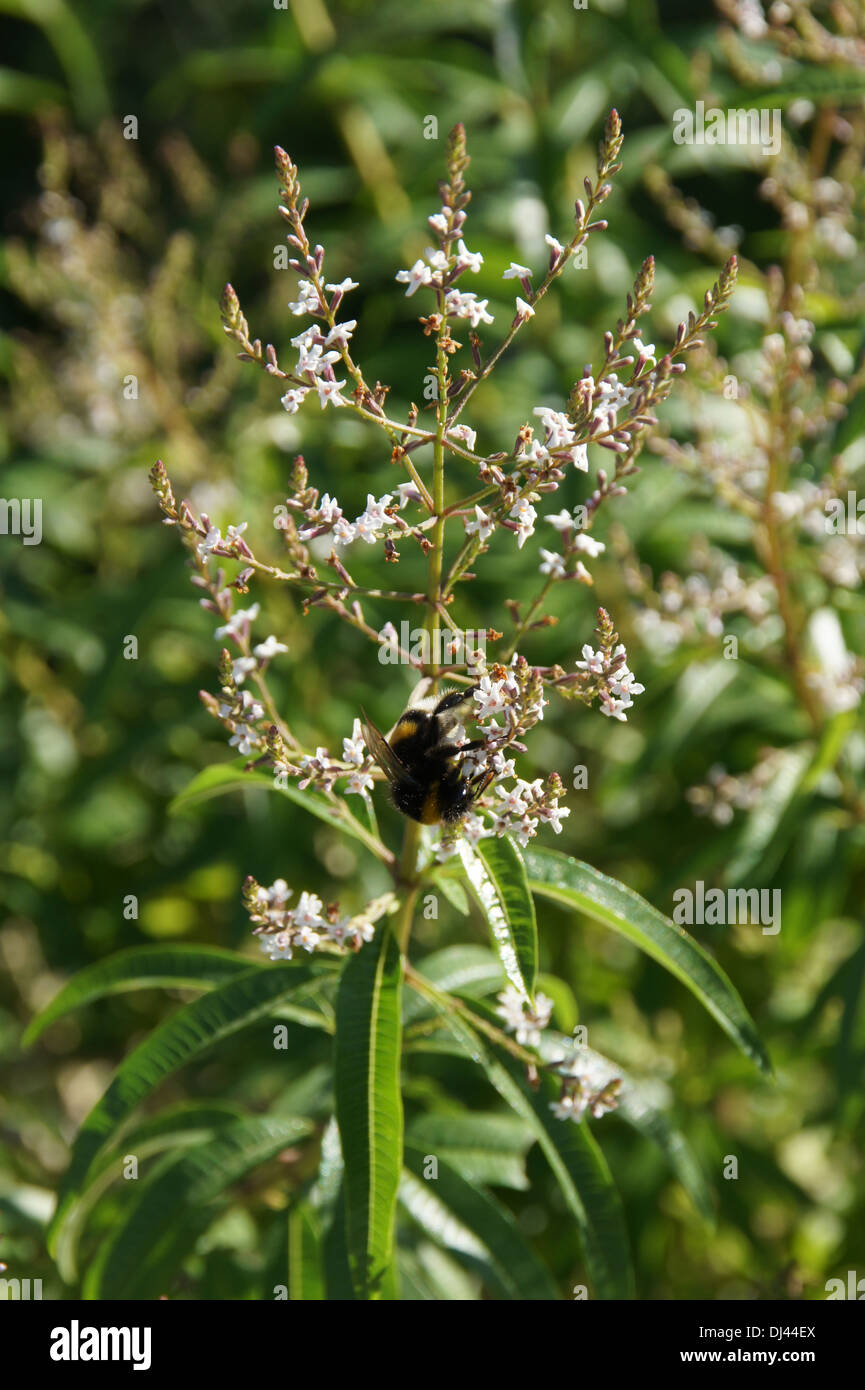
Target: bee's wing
392, 766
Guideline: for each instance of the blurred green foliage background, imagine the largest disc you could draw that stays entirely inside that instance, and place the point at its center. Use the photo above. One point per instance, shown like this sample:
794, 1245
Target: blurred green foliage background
115, 252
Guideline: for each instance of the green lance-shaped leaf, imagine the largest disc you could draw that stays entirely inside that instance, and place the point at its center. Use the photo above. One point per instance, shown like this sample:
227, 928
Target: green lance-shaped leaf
579, 886
180, 1126
764, 822
497, 878
176, 1203
472, 1224
369, 1107
141, 967
483, 1148
305, 1257
466, 970
229, 777
189, 1032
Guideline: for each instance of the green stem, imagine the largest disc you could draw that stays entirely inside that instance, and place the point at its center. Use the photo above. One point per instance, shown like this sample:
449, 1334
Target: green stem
407, 873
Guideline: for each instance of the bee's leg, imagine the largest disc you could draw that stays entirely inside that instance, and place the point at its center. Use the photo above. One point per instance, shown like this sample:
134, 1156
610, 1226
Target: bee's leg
484, 779
470, 746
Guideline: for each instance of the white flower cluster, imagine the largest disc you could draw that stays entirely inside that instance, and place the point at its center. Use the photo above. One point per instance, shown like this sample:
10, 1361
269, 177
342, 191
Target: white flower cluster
525, 1022
541, 459
317, 353
360, 780
525, 806
504, 696
723, 793
559, 440
576, 542
308, 926
439, 269
839, 690
240, 716
581, 1094
373, 524
319, 346
618, 684
693, 608
214, 543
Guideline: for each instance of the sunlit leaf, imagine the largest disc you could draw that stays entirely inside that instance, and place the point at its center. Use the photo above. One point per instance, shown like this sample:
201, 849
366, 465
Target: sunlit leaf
369, 1107
497, 878
584, 889
141, 967
175, 1204
186, 1034
475, 1227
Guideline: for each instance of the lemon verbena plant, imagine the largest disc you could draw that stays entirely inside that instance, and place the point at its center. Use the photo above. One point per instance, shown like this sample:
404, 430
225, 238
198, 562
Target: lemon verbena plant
357, 976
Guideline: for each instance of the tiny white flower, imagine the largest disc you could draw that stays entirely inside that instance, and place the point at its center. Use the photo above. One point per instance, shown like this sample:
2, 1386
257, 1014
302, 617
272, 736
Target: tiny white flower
467, 306
359, 784
553, 814
307, 301
503, 767
511, 801
588, 545
614, 396
340, 333
645, 351
241, 667
571, 1106
374, 519
329, 510
307, 340
307, 938
516, 272
269, 648
293, 399
489, 697
239, 622
592, 661
437, 260
465, 434
554, 245
482, 524
563, 521
314, 359
244, 739
554, 564
344, 285
308, 911
474, 260
352, 748
276, 945
251, 707
524, 310
560, 431
328, 392
419, 274
525, 516
344, 532
211, 541
407, 492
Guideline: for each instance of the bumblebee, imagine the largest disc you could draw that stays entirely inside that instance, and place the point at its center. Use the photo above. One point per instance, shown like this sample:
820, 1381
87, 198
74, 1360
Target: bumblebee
423, 763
